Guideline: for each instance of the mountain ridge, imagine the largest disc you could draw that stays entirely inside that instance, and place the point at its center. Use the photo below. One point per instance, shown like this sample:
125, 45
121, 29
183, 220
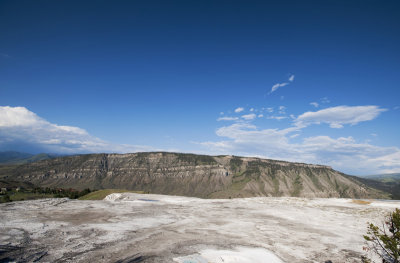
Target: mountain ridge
16, 158
205, 176
389, 183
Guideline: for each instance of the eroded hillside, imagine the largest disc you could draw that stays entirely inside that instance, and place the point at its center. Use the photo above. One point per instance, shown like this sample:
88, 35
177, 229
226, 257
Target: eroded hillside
191, 175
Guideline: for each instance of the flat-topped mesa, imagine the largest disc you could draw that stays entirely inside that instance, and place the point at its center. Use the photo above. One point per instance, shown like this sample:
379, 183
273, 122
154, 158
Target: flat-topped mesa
283, 163
223, 176
155, 156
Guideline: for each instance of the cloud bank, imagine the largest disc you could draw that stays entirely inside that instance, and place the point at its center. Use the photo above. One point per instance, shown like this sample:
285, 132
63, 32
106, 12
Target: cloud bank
21, 129
342, 153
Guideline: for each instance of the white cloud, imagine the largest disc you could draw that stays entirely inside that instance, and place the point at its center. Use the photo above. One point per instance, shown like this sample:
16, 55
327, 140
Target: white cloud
277, 86
221, 113
325, 100
252, 109
342, 153
270, 110
19, 126
276, 117
249, 116
240, 109
227, 119
282, 110
18, 116
260, 115
336, 117
315, 104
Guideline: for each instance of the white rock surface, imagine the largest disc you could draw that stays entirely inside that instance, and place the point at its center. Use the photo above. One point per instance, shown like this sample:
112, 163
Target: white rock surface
157, 228
239, 255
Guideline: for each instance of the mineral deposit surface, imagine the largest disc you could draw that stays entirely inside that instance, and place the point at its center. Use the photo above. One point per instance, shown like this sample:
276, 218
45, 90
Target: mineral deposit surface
157, 228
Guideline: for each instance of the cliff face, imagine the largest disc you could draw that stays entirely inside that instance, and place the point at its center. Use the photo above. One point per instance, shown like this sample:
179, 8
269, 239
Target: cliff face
192, 175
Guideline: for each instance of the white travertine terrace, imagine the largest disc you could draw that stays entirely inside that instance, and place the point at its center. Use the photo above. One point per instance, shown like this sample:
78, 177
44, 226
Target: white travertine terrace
160, 228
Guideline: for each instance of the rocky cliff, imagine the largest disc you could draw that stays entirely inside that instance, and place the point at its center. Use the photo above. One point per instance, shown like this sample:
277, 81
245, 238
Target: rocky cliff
191, 175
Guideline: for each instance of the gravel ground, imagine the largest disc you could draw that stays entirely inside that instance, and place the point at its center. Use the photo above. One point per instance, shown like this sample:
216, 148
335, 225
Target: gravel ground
155, 228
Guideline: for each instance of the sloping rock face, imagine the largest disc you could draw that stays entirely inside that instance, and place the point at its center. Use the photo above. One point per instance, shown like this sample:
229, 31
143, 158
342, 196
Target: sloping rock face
192, 175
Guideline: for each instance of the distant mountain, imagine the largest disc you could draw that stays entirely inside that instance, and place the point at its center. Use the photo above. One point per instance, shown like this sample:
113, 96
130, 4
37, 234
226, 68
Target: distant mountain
389, 183
191, 175
392, 177
13, 158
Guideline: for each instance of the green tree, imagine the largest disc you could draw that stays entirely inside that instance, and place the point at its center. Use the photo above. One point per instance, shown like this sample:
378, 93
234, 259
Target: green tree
5, 199
385, 241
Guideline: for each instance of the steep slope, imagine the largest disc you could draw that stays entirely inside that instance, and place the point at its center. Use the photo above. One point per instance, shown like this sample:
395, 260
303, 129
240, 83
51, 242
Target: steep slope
389, 183
191, 175
385, 178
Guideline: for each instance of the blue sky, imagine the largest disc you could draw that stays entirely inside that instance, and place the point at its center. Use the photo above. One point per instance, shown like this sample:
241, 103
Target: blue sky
125, 76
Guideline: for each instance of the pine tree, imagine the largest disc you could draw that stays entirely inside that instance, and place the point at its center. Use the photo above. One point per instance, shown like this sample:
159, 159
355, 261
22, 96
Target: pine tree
385, 241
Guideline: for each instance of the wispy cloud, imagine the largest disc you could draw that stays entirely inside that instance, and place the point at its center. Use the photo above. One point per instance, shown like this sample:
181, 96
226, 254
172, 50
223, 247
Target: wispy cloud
227, 119
251, 116
283, 84
277, 117
315, 104
19, 126
325, 100
278, 85
239, 109
336, 117
282, 110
